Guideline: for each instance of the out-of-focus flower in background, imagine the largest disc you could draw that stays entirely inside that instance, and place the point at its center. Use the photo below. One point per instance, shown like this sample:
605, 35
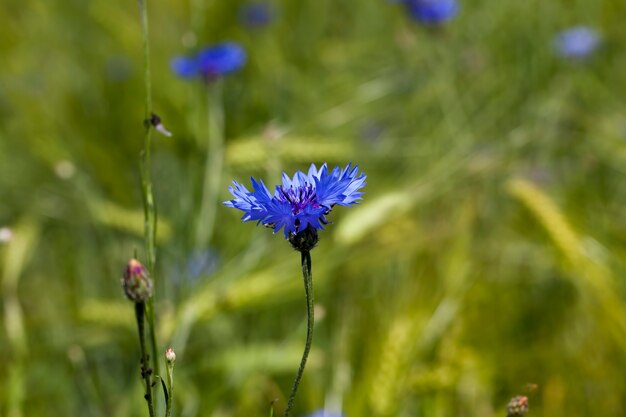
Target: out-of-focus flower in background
198, 264
201, 263
256, 15
432, 12
371, 132
325, 413
64, 169
517, 407
6, 234
211, 62
577, 43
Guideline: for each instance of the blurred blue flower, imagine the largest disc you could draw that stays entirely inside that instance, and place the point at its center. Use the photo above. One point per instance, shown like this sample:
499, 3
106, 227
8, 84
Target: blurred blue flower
371, 131
432, 12
197, 264
211, 62
301, 202
256, 15
201, 263
185, 67
577, 42
325, 413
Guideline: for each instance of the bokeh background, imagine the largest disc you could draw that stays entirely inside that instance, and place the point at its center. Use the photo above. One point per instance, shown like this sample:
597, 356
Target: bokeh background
487, 254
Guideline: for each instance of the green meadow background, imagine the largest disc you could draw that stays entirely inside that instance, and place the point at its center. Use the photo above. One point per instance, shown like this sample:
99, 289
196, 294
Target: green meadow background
488, 252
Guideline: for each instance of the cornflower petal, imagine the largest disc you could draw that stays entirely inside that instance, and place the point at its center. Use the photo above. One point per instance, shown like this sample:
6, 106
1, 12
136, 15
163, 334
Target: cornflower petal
301, 202
313, 172
340, 186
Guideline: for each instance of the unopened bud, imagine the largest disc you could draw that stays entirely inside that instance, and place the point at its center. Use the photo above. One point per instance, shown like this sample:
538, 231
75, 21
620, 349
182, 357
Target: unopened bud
517, 407
170, 356
136, 282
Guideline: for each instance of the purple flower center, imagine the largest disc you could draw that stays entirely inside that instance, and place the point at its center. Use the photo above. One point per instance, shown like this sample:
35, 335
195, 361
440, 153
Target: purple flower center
300, 197
137, 270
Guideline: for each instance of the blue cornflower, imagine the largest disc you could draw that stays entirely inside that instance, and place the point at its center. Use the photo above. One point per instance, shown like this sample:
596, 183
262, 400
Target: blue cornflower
211, 62
256, 15
432, 12
301, 203
577, 42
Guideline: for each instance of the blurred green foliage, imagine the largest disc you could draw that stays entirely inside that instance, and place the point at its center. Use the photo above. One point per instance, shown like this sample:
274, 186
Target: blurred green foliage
487, 253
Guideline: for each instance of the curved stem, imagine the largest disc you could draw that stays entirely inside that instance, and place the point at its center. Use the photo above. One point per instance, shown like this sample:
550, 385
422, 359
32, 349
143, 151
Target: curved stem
308, 289
140, 309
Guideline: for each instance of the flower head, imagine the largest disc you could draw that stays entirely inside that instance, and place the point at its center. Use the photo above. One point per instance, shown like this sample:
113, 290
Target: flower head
211, 62
300, 203
256, 15
136, 282
577, 42
432, 12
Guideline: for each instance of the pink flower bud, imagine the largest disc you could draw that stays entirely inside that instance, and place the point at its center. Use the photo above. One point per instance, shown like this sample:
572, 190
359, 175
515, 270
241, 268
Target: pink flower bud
170, 356
136, 282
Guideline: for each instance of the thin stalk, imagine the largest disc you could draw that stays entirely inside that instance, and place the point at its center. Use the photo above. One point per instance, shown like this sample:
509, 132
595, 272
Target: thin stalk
308, 290
145, 366
213, 166
153, 343
143, 11
150, 212
170, 388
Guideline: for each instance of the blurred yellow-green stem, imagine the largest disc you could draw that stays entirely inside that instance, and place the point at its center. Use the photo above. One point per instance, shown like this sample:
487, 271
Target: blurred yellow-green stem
150, 213
213, 165
17, 254
170, 388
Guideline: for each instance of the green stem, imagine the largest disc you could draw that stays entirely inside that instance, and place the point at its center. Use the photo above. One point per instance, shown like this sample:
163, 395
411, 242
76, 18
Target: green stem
308, 289
143, 11
170, 390
213, 166
153, 343
145, 367
150, 212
